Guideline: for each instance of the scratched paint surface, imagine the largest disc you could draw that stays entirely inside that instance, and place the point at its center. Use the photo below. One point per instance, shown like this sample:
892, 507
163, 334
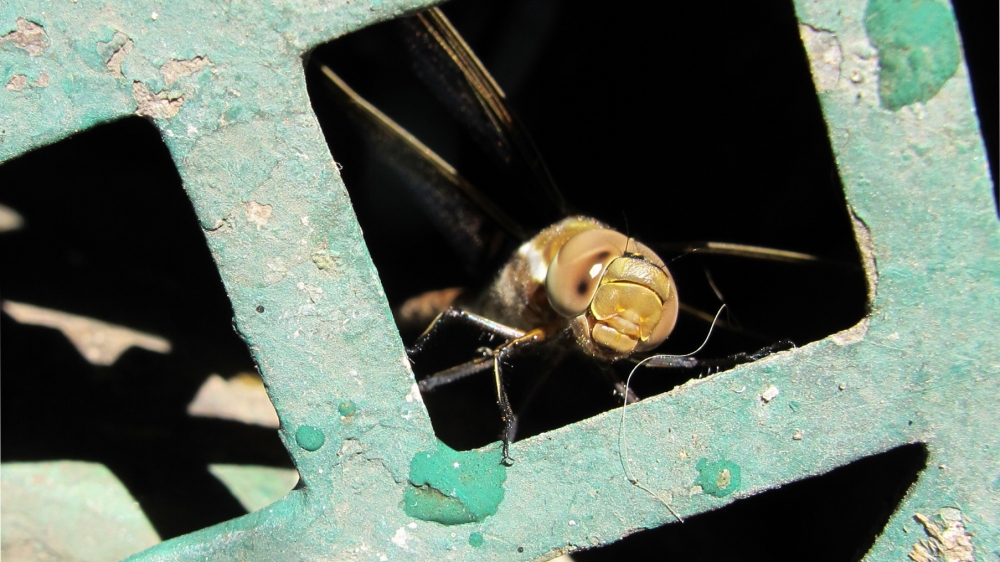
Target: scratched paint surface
224, 84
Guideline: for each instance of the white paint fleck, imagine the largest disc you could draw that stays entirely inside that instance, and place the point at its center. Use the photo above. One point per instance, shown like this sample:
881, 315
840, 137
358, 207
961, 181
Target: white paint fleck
797, 435
572, 523
153, 16
399, 539
769, 394
412, 526
455, 465
414, 394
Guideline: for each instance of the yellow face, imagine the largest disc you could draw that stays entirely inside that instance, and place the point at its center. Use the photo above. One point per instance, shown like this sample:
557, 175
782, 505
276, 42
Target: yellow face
619, 293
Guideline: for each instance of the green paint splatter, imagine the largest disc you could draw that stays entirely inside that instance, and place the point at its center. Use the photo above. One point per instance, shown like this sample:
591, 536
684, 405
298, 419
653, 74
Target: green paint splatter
476, 540
347, 408
309, 438
917, 46
453, 487
794, 406
719, 478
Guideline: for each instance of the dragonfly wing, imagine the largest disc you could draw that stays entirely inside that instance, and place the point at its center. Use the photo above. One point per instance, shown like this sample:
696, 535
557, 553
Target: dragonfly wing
746, 251
471, 223
452, 71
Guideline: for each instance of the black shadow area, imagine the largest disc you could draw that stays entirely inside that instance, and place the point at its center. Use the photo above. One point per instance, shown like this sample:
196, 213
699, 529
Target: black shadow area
109, 234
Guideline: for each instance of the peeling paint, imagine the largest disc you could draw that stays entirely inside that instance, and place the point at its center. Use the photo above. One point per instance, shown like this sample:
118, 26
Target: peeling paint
825, 56
17, 82
175, 69
158, 105
952, 543
28, 36
114, 51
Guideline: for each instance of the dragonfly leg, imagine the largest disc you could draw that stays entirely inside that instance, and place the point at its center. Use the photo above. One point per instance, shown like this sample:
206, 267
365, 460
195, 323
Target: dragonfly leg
453, 314
501, 354
716, 365
458, 372
627, 395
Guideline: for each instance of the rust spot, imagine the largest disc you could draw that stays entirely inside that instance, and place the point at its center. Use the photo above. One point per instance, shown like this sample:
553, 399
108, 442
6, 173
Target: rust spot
28, 36
158, 105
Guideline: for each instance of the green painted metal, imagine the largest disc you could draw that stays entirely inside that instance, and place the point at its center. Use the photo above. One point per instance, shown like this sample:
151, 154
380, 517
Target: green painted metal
224, 83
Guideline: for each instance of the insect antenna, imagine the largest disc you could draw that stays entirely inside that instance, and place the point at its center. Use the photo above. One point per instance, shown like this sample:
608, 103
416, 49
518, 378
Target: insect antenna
622, 453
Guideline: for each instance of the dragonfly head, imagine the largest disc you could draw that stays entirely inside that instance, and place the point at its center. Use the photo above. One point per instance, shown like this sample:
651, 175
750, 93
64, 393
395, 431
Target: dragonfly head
619, 294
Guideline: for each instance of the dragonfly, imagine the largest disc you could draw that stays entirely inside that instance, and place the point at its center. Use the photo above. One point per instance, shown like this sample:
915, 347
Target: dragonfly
566, 283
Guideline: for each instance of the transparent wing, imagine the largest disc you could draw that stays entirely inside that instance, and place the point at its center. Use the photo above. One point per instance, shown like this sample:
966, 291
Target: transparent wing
452, 71
468, 220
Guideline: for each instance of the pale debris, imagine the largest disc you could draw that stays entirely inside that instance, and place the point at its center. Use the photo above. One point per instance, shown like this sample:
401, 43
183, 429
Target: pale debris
258, 214
100, 343
242, 398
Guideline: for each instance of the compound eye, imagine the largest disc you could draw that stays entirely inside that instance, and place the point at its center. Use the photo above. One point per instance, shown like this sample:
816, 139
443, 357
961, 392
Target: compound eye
578, 267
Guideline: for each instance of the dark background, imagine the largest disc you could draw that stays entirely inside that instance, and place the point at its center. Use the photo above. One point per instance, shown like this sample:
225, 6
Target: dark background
699, 123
